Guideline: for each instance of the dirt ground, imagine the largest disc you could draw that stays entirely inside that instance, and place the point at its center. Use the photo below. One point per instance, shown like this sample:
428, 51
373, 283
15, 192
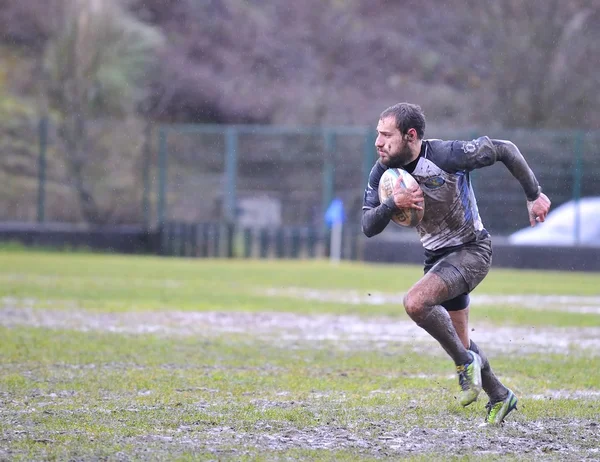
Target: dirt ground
557, 439
346, 330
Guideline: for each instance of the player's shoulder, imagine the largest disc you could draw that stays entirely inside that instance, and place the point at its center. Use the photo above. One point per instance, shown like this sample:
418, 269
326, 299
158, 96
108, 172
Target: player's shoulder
435, 145
439, 151
443, 149
457, 155
377, 170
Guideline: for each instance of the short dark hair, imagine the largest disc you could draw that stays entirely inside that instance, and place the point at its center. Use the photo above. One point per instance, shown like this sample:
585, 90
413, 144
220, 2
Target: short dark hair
407, 116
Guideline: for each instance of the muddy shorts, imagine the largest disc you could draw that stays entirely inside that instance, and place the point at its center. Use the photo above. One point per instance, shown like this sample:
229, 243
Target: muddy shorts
462, 268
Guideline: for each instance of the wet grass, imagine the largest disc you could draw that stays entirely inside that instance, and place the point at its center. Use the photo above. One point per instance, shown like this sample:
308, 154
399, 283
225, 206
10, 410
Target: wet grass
114, 283
86, 391
100, 395
539, 317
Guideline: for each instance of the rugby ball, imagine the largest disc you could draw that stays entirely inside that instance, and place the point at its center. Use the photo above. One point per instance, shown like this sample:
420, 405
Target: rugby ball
403, 217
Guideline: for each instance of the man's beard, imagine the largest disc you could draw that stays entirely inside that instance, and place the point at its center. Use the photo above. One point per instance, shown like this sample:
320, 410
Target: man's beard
400, 159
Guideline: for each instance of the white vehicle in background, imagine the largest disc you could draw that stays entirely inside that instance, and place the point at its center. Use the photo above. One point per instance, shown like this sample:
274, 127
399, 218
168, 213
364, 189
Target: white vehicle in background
573, 223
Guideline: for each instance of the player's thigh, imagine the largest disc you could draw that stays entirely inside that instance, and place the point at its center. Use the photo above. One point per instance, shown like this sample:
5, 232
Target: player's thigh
452, 276
430, 290
464, 269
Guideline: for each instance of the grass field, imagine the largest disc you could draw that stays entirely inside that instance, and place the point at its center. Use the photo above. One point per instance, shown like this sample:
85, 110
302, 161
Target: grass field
143, 358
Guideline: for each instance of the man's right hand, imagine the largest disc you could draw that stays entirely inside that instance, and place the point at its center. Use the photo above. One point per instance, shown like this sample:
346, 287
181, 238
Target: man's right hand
407, 198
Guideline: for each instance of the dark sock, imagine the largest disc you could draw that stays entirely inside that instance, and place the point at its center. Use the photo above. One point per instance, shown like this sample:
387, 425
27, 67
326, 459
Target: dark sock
489, 382
438, 324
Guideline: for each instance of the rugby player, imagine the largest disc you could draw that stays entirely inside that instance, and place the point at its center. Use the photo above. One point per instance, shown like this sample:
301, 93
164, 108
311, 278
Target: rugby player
458, 249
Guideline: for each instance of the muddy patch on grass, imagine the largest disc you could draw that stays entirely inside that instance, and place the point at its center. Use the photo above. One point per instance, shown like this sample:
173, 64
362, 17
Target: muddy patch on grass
566, 303
346, 331
399, 435
553, 438
402, 434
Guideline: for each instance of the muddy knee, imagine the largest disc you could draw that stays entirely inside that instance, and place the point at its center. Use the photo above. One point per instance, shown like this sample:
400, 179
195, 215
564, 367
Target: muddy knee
414, 307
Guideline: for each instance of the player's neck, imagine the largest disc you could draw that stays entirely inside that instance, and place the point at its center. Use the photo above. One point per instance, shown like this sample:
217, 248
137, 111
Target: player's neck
415, 151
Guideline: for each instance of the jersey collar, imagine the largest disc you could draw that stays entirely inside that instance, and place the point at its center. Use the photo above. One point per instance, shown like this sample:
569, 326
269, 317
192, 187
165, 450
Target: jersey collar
411, 166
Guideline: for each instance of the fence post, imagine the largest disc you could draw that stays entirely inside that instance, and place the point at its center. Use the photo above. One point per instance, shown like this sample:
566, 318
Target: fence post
368, 154
162, 175
295, 242
577, 173
248, 240
146, 163
328, 169
230, 186
230, 234
264, 243
43, 140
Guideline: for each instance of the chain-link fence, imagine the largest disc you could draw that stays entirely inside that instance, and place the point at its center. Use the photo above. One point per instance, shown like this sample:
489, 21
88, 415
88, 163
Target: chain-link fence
259, 175
104, 182
566, 163
283, 177
255, 176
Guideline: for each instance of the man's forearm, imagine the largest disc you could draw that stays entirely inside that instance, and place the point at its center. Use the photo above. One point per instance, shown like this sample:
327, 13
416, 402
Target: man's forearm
510, 155
375, 220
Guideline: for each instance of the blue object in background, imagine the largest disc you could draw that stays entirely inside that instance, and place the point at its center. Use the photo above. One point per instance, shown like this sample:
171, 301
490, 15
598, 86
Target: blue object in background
335, 213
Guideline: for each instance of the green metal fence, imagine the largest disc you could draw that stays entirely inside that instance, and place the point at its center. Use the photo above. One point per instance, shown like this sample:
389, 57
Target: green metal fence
262, 176
229, 240
208, 173
217, 173
117, 166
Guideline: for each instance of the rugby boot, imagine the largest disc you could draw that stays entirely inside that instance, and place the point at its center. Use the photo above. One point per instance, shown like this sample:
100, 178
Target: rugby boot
496, 412
469, 379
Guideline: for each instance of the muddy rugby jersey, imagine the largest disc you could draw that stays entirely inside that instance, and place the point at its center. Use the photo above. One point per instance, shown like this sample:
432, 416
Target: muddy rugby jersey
443, 171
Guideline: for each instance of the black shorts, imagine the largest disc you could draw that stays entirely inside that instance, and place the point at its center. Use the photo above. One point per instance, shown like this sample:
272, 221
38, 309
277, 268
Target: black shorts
461, 267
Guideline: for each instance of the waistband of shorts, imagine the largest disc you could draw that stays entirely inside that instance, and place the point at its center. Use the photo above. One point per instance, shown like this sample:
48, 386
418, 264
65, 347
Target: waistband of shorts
480, 236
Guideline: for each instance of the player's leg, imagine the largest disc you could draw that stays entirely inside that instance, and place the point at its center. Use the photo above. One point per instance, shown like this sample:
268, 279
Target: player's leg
460, 321
461, 270
502, 400
495, 390
423, 305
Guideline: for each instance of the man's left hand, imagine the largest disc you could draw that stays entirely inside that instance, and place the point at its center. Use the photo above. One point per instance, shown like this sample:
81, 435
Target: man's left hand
538, 209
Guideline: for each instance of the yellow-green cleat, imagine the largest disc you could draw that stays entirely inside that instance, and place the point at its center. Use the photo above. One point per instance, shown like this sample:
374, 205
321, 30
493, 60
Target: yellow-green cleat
469, 379
499, 410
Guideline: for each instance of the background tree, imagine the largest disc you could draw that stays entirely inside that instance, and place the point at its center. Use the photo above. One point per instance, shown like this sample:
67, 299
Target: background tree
474, 66
95, 66
543, 56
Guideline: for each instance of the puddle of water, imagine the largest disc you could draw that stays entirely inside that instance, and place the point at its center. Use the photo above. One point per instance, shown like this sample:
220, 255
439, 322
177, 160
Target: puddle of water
570, 303
346, 330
